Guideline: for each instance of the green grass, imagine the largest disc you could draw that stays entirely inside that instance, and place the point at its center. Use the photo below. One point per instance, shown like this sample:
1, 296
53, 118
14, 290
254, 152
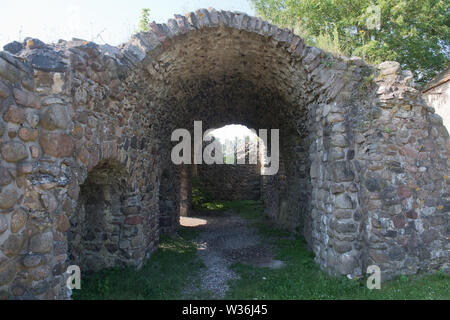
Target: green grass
170, 269
201, 199
212, 206
301, 278
175, 266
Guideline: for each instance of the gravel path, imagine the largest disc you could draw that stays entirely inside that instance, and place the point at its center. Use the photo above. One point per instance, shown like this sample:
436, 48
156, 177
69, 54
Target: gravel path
225, 238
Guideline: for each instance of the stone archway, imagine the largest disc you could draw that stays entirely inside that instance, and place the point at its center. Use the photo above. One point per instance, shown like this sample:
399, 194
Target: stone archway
100, 235
365, 160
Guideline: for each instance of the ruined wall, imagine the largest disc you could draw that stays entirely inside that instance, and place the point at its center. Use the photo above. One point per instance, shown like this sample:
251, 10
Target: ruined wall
97, 230
64, 111
365, 162
334, 221
287, 195
231, 181
403, 149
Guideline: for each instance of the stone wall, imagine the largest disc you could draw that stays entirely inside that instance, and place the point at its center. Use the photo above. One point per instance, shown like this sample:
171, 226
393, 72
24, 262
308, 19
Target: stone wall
59, 123
231, 181
365, 160
404, 188
238, 180
169, 198
287, 195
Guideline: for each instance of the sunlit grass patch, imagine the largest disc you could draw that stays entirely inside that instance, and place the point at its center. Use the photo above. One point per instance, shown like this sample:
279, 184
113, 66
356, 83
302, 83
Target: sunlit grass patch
213, 206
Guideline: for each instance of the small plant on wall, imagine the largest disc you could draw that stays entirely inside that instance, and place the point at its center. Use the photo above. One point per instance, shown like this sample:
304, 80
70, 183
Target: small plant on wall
144, 21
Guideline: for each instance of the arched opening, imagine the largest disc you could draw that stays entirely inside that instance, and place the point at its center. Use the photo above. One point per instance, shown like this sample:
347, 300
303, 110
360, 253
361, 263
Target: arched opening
219, 68
238, 176
97, 226
226, 68
246, 80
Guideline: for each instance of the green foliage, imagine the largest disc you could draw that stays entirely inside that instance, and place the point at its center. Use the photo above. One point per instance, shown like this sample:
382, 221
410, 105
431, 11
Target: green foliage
171, 268
144, 22
328, 41
213, 206
415, 33
367, 81
200, 198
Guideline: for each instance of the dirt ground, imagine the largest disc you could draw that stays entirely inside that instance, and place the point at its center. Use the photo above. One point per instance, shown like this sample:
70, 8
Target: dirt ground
223, 239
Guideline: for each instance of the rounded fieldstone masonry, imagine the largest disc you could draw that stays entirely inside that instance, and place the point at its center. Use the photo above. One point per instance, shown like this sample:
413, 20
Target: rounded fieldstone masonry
85, 170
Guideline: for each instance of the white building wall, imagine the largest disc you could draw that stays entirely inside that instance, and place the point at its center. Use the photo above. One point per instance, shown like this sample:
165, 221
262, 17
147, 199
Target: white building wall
439, 98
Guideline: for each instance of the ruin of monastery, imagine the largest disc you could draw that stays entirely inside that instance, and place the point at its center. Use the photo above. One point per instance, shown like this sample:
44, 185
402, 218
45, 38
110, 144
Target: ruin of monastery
85, 142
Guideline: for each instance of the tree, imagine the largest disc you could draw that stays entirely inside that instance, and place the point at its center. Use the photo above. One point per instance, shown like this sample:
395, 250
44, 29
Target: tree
144, 22
415, 33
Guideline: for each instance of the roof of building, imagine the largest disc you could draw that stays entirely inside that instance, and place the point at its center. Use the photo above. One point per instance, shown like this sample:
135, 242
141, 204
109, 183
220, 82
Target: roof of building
440, 79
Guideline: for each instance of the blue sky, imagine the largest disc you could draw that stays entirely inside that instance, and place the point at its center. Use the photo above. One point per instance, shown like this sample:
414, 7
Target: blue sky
103, 21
